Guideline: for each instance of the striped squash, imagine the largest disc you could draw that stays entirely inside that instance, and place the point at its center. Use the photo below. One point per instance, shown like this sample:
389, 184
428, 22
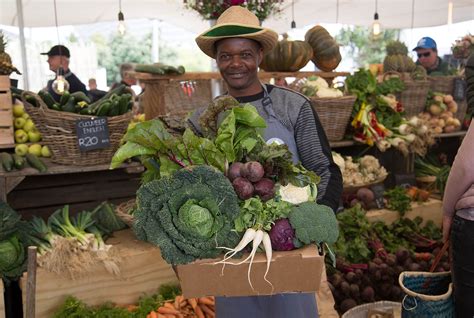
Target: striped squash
287, 56
326, 53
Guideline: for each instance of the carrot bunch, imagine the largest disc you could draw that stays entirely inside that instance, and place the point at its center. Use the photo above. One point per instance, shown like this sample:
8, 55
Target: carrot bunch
203, 307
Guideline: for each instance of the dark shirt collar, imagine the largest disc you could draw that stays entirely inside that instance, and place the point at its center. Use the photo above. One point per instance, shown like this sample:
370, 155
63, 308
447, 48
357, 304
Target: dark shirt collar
252, 98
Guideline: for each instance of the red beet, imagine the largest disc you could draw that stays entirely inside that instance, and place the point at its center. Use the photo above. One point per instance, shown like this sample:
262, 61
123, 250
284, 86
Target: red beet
243, 188
265, 189
234, 171
252, 170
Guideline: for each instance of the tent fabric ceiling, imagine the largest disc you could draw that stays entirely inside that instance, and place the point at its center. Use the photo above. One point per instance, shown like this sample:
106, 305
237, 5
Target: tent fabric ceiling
393, 14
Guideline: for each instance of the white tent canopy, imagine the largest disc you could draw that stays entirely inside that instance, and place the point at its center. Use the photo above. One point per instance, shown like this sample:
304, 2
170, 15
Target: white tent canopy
393, 14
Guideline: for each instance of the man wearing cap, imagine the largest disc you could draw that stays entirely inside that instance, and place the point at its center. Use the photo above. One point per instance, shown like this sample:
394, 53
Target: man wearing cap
237, 42
58, 60
427, 53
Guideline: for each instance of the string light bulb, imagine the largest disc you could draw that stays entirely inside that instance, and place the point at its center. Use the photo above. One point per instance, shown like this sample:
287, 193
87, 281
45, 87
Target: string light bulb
122, 28
376, 26
293, 22
60, 84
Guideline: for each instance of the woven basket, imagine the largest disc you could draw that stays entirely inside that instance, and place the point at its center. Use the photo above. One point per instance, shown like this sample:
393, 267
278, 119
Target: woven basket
182, 97
32, 110
413, 97
442, 84
123, 211
334, 114
362, 311
427, 294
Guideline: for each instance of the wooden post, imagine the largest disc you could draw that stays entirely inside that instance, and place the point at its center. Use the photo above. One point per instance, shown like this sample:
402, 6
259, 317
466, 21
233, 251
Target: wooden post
31, 283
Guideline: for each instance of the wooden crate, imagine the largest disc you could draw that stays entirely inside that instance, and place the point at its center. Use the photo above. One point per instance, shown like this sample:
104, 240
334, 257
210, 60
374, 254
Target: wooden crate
6, 117
429, 210
142, 272
2, 306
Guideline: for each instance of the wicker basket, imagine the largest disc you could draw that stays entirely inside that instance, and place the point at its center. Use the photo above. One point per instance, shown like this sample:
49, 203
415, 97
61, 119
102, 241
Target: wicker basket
32, 110
123, 211
334, 114
413, 97
362, 311
58, 130
182, 97
442, 84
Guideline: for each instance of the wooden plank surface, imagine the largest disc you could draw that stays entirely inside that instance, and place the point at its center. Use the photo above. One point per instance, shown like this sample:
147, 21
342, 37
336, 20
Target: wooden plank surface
215, 75
142, 272
429, 210
2, 305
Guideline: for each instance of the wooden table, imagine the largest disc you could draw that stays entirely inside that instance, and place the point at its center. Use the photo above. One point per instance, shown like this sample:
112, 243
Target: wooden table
67, 184
160, 98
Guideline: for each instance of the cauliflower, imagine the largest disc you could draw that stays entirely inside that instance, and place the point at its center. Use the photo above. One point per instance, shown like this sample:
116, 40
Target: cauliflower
316, 81
296, 195
328, 92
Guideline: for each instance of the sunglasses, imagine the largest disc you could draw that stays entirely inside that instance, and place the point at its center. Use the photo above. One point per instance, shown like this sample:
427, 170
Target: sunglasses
424, 54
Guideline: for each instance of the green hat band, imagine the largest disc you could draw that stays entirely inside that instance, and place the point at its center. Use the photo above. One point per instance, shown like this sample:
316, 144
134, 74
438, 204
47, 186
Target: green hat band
231, 30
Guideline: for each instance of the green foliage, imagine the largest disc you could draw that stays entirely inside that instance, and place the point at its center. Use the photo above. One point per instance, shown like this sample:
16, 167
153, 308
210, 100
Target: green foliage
362, 49
314, 223
398, 200
106, 219
256, 214
163, 217
9, 220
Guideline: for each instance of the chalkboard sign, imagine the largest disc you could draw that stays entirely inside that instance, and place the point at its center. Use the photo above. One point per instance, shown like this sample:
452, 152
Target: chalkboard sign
378, 190
459, 90
92, 133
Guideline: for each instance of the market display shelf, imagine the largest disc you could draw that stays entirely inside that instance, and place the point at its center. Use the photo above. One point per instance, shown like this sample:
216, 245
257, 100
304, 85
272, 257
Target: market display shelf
460, 133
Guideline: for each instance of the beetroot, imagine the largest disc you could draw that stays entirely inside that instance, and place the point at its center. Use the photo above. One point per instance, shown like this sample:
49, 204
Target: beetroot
368, 294
347, 304
265, 189
243, 188
282, 235
234, 171
252, 170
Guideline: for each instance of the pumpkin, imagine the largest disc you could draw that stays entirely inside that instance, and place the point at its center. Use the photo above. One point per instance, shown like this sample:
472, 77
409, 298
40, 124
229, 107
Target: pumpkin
287, 56
326, 53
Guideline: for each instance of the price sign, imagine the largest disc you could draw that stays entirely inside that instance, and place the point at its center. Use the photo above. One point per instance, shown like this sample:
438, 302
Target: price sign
459, 90
378, 190
92, 133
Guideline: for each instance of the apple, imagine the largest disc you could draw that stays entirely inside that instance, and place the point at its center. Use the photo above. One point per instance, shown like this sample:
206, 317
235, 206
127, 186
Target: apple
35, 149
21, 150
25, 115
34, 135
18, 110
29, 125
19, 122
21, 136
45, 152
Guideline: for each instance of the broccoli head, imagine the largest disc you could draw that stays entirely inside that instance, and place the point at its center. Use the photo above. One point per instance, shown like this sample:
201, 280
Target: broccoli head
314, 223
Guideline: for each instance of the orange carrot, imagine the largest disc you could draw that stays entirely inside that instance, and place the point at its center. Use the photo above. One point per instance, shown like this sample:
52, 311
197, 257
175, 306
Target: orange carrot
153, 314
161, 316
177, 301
167, 311
206, 301
131, 308
193, 302
169, 305
207, 310
199, 312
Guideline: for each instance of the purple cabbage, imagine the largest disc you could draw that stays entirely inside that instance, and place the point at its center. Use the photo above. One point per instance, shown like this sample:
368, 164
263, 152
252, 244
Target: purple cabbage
282, 235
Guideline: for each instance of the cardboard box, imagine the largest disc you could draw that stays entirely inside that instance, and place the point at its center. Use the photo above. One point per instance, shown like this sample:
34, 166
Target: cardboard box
292, 271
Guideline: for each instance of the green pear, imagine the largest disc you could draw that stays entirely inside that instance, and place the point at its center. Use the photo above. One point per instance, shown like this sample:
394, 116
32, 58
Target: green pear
21, 150
45, 152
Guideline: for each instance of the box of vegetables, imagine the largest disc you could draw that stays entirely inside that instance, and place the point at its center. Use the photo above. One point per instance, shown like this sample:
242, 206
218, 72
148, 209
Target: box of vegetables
211, 202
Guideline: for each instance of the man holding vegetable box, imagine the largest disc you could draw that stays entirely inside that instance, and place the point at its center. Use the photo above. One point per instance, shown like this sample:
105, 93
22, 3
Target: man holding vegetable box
237, 42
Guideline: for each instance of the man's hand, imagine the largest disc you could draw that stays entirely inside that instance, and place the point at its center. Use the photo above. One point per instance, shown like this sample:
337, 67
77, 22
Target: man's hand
447, 221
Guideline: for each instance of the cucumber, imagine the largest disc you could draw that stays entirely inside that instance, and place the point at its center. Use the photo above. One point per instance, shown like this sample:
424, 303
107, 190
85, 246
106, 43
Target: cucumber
118, 91
47, 98
56, 106
150, 68
64, 98
70, 106
123, 103
18, 161
7, 161
36, 162
114, 108
103, 109
81, 97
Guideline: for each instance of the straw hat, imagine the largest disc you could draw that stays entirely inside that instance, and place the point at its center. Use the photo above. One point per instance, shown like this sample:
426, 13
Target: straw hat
237, 22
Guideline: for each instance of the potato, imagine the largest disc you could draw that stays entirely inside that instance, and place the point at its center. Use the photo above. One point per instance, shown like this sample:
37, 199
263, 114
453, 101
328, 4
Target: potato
453, 107
449, 129
438, 98
447, 99
435, 109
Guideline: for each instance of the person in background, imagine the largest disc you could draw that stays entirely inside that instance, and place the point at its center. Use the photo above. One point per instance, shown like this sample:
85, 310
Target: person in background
94, 93
427, 53
58, 60
458, 213
237, 42
127, 78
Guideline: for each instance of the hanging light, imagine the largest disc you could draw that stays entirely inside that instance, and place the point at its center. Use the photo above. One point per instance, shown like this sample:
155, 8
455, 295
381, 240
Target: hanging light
293, 23
376, 26
59, 85
122, 28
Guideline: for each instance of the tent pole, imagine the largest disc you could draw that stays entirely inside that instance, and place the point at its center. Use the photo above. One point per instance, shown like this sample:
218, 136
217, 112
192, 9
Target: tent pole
21, 27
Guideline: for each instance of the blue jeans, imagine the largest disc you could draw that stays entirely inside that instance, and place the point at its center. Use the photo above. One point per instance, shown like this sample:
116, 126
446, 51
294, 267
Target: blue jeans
462, 249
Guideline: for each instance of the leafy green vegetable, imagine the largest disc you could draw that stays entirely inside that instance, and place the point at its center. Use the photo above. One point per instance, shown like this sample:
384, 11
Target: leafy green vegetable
106, 220
254, 213
12, 257
9, 220
187, 214
398, 200
314, 223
